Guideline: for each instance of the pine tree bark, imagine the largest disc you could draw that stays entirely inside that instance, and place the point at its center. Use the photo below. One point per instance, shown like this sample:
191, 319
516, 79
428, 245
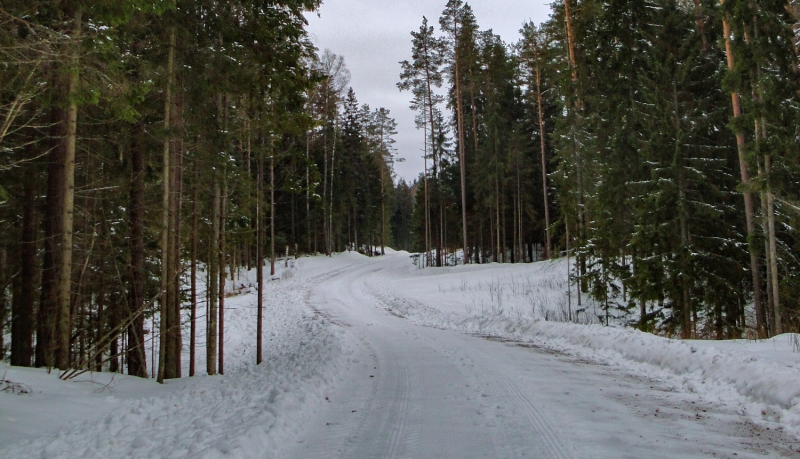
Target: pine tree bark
222, 259
101, 315
193, 269
165, 214
4, 309
137, 363
570, 40
3, 297
579, 156
64, 322
430, 109
272, 205
773, 249
113, 314
325, 180
174, 335
461, 147
308, 190
540, 110
213, 290
683, 212
22, 306
427, 205
329, 223
260, 251
749, 212
382, 165
686, 316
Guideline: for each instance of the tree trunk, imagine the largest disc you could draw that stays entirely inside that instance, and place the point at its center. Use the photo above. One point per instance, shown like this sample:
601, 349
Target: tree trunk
686, 316
383, 205
329, 223
272, 205
137, 363
548, 242
569, 276
500, 256
165, 220
113, 314
24, 287
222, 248
308, 191
461, 153
325, 180
581, 259
427, 200
3, 299
101, 315
570, 40
193, 269
64, 324
213, 290
430, 110
773, 249
744, 171
174, 369
260, 251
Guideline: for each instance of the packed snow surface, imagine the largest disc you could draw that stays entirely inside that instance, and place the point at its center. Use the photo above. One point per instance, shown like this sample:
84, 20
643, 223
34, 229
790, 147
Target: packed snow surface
247, 413
376, 358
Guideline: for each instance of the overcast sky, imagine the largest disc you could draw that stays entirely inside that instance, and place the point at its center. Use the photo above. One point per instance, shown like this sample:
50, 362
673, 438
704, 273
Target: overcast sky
374, 35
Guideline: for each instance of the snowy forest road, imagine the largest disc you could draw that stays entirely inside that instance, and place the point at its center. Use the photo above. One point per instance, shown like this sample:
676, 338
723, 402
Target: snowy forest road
420, 392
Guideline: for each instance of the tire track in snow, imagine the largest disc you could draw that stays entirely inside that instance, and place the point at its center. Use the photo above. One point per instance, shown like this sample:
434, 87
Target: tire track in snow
314, 306
400, 385
551, 440
355, 430
398, 436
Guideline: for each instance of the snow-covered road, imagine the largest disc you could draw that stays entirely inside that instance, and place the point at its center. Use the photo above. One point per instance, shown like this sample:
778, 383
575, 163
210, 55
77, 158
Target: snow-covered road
373, 358
413, 391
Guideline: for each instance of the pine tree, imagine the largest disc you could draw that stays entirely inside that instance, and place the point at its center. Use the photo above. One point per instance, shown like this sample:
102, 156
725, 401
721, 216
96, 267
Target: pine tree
420, 77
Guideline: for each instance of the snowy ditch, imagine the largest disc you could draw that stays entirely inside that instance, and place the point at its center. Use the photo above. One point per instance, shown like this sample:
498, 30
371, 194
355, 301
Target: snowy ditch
251, 412
759, 379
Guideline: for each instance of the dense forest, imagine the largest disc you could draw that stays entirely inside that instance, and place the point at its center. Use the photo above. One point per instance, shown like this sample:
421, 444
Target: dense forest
148, 147
654, 143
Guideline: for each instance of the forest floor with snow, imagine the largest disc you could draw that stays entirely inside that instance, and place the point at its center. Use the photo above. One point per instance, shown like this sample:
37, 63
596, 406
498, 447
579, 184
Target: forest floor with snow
244, 413
373, 357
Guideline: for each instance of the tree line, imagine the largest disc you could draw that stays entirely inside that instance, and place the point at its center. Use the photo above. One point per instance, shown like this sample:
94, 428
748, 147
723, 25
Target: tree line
655, 143
149, 151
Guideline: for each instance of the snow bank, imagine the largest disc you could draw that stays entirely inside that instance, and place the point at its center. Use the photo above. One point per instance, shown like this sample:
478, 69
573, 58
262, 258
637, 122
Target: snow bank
768, 389
251, 412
